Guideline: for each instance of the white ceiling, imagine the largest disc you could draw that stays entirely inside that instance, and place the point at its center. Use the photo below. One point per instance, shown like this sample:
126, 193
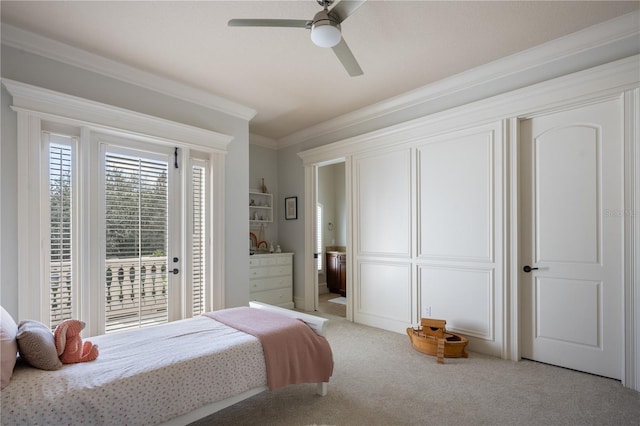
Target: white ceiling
291, 83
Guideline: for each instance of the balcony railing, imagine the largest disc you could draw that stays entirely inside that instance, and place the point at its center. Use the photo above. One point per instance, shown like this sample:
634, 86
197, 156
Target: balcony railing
135, 292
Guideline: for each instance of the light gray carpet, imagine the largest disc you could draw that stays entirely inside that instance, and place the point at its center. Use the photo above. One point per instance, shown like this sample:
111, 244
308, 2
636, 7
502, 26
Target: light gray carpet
379, 379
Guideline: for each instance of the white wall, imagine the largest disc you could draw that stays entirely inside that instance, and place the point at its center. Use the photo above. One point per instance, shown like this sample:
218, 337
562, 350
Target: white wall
263, 164
291, 232
331, 195
340, 204
43, 72
9, 207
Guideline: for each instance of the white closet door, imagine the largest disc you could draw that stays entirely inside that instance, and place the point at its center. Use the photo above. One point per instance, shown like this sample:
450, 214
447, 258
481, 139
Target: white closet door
460, 231
382, 280
571, 187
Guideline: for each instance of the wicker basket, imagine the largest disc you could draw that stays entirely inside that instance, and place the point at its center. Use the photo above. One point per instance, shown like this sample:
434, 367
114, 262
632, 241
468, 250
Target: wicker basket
432, 338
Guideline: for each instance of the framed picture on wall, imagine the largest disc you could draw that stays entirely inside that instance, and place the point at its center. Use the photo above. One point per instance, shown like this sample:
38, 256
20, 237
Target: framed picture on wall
291, 208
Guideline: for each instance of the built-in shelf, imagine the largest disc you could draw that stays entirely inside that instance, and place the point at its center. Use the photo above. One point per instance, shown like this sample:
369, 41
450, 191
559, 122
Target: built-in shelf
260, 208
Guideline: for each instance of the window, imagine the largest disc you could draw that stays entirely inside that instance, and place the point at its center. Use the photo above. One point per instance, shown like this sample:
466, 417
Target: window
61, 253
77, 213
198, 236
136, 267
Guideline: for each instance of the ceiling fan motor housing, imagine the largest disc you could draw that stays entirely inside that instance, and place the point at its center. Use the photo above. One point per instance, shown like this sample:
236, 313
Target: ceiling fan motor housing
325, 3
325, 30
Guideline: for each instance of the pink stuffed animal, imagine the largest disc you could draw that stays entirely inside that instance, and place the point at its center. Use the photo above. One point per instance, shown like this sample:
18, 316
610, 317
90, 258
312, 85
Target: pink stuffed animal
69, 343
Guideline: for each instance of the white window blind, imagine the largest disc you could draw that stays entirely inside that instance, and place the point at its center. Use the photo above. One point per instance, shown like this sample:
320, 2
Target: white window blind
61, 250
198, 250
136, 204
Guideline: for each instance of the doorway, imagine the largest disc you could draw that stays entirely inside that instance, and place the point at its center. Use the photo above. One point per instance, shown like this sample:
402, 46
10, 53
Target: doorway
331, 238
572, 267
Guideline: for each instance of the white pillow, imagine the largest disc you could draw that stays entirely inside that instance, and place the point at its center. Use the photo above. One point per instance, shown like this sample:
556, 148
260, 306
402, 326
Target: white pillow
8, 347
37, 346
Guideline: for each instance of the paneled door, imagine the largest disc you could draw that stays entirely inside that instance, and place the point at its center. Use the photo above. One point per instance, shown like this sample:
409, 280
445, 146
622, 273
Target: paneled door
571, 269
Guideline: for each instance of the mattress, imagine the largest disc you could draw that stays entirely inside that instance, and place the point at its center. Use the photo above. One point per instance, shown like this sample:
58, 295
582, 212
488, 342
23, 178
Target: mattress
146, 376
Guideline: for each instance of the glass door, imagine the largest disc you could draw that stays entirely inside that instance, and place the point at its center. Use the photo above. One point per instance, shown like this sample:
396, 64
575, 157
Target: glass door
137, 263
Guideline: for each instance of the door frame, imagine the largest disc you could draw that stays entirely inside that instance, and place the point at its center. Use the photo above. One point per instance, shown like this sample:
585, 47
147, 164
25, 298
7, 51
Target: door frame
311, 200
631, 337
310, 270
631, 197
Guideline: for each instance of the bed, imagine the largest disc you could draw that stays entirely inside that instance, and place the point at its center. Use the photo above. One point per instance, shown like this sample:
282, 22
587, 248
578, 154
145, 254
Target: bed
147, 377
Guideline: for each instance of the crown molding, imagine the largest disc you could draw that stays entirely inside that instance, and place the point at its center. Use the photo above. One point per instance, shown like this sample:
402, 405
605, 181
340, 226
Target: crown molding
604, 81
33, 43
49, 104
625, 28
263, 141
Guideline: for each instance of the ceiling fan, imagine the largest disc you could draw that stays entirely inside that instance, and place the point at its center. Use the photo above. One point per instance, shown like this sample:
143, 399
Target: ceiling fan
325, 29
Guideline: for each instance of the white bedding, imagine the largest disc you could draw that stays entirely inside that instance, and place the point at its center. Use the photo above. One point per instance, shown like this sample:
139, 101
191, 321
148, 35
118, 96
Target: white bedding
168, 371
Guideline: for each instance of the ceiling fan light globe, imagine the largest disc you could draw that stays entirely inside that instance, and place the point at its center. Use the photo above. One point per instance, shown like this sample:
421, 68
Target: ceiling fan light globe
325, 33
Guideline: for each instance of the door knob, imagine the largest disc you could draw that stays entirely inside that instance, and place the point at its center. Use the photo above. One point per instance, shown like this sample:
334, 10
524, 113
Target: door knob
528, 268
174, 271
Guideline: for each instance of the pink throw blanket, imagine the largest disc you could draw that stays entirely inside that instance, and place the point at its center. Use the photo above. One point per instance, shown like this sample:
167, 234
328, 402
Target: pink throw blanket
293, 352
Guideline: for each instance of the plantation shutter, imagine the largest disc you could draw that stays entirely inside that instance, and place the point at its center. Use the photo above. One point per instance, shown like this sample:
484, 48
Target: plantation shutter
61, 256
198, 251
136, 205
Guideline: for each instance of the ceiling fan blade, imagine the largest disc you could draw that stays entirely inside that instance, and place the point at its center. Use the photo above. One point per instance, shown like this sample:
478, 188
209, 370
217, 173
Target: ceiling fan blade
345, 56
287, 23
343, 9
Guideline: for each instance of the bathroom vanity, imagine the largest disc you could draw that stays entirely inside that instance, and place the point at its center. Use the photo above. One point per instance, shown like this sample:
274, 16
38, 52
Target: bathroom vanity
337, 272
